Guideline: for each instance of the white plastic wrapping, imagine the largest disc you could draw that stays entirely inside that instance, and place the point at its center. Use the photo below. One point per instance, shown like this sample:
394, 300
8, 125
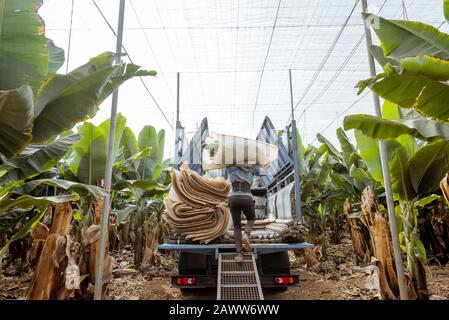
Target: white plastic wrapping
272, 207
284, 202
224, 150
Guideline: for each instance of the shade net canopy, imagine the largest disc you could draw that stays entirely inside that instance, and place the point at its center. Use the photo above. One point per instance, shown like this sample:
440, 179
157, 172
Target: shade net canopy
233, 57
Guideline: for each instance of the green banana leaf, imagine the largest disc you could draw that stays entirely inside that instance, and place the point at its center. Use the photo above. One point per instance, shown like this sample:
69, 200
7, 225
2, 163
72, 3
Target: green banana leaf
122, 215
378, 54
408, 38
120, 125
432, 67
16, 120
362, 179
349, 151
87, 160
369, 151
38, 159
150, 167
394, 112
399, 171
330, 147
382, 129
428, 166
28, 187
145, 185
127, 164
427, 96
378, 128
56, 57
127, 71
8, 220
344, 182
27, 201
129, 143
427, 200
24, 231
65, 100
26, 55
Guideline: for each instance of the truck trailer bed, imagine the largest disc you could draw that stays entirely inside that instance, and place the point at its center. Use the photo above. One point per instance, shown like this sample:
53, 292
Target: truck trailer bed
258, 248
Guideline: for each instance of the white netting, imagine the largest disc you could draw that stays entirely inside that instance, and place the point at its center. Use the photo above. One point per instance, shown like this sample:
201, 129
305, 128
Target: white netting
234, 57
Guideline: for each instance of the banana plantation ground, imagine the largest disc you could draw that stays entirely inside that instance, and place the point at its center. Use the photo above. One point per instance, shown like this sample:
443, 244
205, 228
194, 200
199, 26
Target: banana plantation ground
336, 278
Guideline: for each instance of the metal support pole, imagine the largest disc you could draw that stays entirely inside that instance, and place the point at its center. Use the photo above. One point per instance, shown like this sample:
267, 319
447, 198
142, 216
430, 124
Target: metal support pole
178, 125
109, 163
289, 149
386, 176
298, 214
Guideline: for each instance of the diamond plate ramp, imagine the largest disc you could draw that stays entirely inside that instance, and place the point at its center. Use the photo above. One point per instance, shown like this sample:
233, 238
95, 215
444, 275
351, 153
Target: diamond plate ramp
238, 280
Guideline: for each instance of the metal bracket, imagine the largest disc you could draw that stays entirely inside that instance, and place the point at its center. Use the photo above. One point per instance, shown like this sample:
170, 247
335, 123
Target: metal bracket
217, 253
256, 254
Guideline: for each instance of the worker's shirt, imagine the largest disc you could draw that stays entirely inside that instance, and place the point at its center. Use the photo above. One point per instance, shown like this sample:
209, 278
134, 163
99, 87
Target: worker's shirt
236, 173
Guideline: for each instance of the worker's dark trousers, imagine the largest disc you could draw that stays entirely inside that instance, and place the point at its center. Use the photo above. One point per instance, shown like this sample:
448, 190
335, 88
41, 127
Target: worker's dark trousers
237, 205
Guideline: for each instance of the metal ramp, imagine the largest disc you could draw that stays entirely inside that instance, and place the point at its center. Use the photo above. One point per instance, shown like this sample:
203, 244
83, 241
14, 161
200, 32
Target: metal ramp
238, 280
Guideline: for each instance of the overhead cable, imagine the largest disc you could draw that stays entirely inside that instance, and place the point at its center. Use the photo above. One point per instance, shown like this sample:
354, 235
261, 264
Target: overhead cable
130, 59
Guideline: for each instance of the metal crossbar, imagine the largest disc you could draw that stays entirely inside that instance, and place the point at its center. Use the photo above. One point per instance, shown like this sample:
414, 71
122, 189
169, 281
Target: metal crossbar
238, 280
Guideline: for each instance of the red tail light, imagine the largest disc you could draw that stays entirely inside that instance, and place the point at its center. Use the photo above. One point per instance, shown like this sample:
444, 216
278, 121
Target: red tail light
284, 280
186, 281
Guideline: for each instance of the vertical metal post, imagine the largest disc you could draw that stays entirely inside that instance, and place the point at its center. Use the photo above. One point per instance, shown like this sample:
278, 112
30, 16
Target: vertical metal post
386, 176
109, 163
178, 124
289, 149
295, 155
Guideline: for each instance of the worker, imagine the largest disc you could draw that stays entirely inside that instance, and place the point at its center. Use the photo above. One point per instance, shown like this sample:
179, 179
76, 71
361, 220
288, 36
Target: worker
241, 200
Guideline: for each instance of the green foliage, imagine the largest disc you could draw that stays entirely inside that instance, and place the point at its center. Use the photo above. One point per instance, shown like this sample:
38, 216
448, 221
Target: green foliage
16, 120
28, 61
36, 159
24, 231
417, 78
27, 57
28, 202
87, 159
408, 38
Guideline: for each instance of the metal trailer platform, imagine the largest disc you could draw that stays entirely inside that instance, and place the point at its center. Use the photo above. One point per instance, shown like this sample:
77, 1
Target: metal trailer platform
258, 248
238, 280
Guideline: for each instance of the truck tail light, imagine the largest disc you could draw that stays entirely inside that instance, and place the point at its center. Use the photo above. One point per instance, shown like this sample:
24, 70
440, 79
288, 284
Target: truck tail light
186, 281
284, 280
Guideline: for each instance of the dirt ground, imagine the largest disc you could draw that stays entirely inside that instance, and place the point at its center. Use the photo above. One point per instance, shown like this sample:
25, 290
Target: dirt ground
336, 278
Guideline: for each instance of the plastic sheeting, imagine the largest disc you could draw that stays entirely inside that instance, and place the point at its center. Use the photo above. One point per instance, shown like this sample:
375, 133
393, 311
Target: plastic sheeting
269, 134
192, 153
229, 150
261, 207
284, 202
271, 206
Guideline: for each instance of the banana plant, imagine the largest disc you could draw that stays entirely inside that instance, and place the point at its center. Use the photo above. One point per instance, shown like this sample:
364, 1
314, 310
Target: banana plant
328, 177
414, 174
35, 159
19, 203
414, 57
143, 178
138, 171
36, 103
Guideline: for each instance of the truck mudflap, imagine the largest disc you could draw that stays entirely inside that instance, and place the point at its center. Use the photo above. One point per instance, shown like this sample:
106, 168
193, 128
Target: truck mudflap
210, 281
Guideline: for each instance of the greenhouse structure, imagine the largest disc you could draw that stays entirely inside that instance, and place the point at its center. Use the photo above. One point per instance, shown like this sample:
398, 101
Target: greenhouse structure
224, 150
